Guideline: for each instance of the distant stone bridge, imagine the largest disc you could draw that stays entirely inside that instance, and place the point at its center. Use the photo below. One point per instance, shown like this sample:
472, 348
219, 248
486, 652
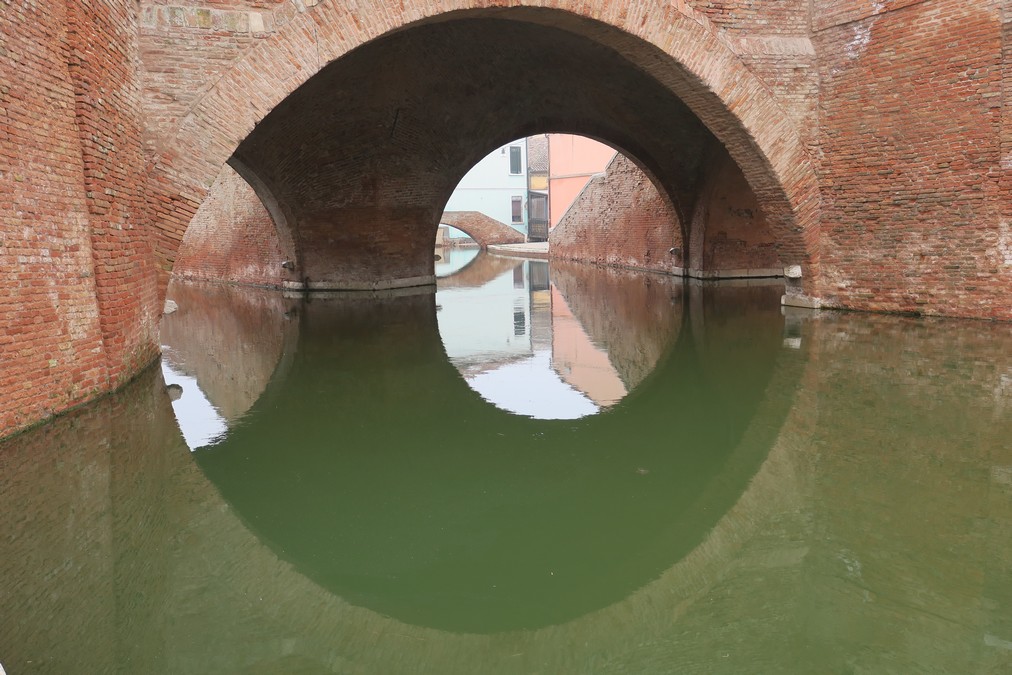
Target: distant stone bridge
868, 144
484, 230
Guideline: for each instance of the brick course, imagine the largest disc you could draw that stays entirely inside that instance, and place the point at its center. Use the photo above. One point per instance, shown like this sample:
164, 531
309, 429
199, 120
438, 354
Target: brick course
105, 70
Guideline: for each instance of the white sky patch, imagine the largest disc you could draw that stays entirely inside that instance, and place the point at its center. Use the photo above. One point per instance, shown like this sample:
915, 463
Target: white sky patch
530, 387
198, 419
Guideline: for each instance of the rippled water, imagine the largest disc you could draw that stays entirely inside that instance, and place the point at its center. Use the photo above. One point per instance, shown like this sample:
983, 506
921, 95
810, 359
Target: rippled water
535, 470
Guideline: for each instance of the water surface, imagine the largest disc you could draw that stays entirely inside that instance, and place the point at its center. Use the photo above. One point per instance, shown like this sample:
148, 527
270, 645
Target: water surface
535, 469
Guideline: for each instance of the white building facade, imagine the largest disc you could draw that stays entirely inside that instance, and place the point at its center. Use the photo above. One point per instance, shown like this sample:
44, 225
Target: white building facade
496, 186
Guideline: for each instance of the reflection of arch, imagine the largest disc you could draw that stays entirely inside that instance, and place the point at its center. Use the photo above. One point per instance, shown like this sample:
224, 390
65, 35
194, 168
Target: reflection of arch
665, 44
159, 558
484, 230
264, 494
219, 576
233, 340
482, 269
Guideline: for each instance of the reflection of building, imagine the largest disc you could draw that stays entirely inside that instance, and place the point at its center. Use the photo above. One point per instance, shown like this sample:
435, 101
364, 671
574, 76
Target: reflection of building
582, 364
516, 342
496, 186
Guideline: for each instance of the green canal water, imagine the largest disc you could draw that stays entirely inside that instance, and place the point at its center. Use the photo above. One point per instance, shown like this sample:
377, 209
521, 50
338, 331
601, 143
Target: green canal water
535, 469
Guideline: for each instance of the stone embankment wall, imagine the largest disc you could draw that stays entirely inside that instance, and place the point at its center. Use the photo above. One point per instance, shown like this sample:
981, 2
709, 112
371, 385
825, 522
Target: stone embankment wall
622, 220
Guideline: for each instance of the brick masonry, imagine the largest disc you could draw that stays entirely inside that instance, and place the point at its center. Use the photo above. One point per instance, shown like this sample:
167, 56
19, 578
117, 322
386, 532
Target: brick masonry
105, 68
874, 136
620, 219
484, 230
233, 239
729, 236
911, 171
51, 349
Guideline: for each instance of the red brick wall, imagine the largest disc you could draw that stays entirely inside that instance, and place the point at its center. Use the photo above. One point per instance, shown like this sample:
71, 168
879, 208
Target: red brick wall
481, 228
51, 351
79, 306
729, 236
232, 238
774, 17
104, 66
621, 220
911, 113
185, 46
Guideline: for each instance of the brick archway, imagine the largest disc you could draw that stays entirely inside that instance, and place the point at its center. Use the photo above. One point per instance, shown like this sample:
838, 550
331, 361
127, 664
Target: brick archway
484, 230
666, 45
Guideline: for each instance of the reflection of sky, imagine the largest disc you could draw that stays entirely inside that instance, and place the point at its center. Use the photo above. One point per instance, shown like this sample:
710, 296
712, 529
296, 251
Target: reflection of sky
494, 336
484, 321
454, 259
198, 419
531, 387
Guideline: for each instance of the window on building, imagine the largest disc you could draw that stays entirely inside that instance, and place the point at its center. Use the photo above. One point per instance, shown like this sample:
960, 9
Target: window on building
515, 163
518, 209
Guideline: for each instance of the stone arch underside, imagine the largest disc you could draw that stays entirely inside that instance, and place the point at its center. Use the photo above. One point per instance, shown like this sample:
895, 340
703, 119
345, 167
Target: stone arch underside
396, 104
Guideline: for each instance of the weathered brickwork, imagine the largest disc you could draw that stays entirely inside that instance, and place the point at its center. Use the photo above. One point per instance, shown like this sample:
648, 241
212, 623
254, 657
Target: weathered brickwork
51, 351
185, 47
620, 219
911, 113
233, 239
762, 17
729, 236
104, 67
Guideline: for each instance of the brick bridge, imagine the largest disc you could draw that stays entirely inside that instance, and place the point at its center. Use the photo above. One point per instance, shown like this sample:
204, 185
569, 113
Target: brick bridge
484, 230
865, 146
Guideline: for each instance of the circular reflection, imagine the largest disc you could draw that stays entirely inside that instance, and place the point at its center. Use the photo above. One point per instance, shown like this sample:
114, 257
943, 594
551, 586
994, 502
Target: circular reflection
517, 342
378, 474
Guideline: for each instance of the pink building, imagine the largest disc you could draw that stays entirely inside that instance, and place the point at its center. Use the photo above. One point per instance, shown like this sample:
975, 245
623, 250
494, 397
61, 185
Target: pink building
578, 361
573, 160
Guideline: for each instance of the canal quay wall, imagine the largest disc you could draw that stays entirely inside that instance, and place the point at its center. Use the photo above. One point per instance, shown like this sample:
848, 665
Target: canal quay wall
875, 139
